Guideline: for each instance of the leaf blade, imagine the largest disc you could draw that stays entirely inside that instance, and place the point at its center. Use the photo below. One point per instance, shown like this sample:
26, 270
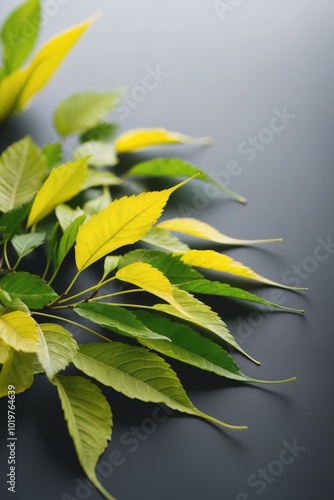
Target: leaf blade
57, 348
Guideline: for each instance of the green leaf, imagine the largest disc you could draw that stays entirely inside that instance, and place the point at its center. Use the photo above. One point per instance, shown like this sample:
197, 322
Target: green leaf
175, 167
53, 242
19, 34
190, 347
11, 221
57, 348
100, 178
83, 111
207, 287
22, 169
53, 154
199, 229
116, 319
89, 421
18, 370
193, 310
67, 240
63, 183
136, 373
24, 244
98, 154
102, 132
19, 330
66, 215
29, 288
171, 266
97, 204
110, 263
162, 238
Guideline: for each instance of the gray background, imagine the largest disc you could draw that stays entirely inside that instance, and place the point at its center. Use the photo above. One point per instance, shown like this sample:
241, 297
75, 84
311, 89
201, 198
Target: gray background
226, 75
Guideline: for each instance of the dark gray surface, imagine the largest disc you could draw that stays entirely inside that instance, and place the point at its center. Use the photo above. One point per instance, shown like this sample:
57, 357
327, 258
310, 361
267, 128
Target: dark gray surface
225, 78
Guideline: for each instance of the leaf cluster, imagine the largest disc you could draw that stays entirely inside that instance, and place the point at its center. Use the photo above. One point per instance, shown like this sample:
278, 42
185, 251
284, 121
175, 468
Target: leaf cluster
67, 211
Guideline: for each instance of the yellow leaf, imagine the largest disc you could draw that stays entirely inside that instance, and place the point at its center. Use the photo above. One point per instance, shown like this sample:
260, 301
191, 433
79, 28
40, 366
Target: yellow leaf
20, 331
148, 278
142, 138
18, 88
63, 183
123, 222
199, 229
209, 259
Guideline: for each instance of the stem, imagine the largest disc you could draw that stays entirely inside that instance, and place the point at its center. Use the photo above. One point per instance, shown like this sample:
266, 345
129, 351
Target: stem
5, 254
46, 270
83, 292
110, 295
79, 325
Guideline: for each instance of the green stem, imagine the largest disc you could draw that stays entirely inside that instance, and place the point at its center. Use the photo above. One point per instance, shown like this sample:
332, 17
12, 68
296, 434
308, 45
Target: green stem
87, 290
79, 325
110, 295
6, 255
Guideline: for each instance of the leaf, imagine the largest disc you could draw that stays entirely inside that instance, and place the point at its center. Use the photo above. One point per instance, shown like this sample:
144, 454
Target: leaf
57, 348
123, 222
190, 347
142, 138
102, 132
19, 34
175, 167
5, 352
52, 243
67, 240
19, 330
187, 278
171, 266
89, 421
100, 178
47, 60
29, 288
199, 229
99, 154
18, 370
24, 244
97, 204
193, 310
116, 319
53, 154
162, 238
18, 88
110, 263
83, 111
209, 259
63, 183
207, 287
11, 221
66, 215
22, 169
148, 278
137, 373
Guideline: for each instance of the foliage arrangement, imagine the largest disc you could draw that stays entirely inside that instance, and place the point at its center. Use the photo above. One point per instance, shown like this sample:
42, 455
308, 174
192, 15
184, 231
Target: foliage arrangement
68, 213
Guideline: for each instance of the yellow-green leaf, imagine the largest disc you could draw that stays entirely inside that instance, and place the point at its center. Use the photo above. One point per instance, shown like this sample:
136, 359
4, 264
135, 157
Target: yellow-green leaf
89, 421
198, 229
19, 330
123, 222
142, 138
63, 183
209, 259
22, 170
18, 88
5, 351
18, 370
